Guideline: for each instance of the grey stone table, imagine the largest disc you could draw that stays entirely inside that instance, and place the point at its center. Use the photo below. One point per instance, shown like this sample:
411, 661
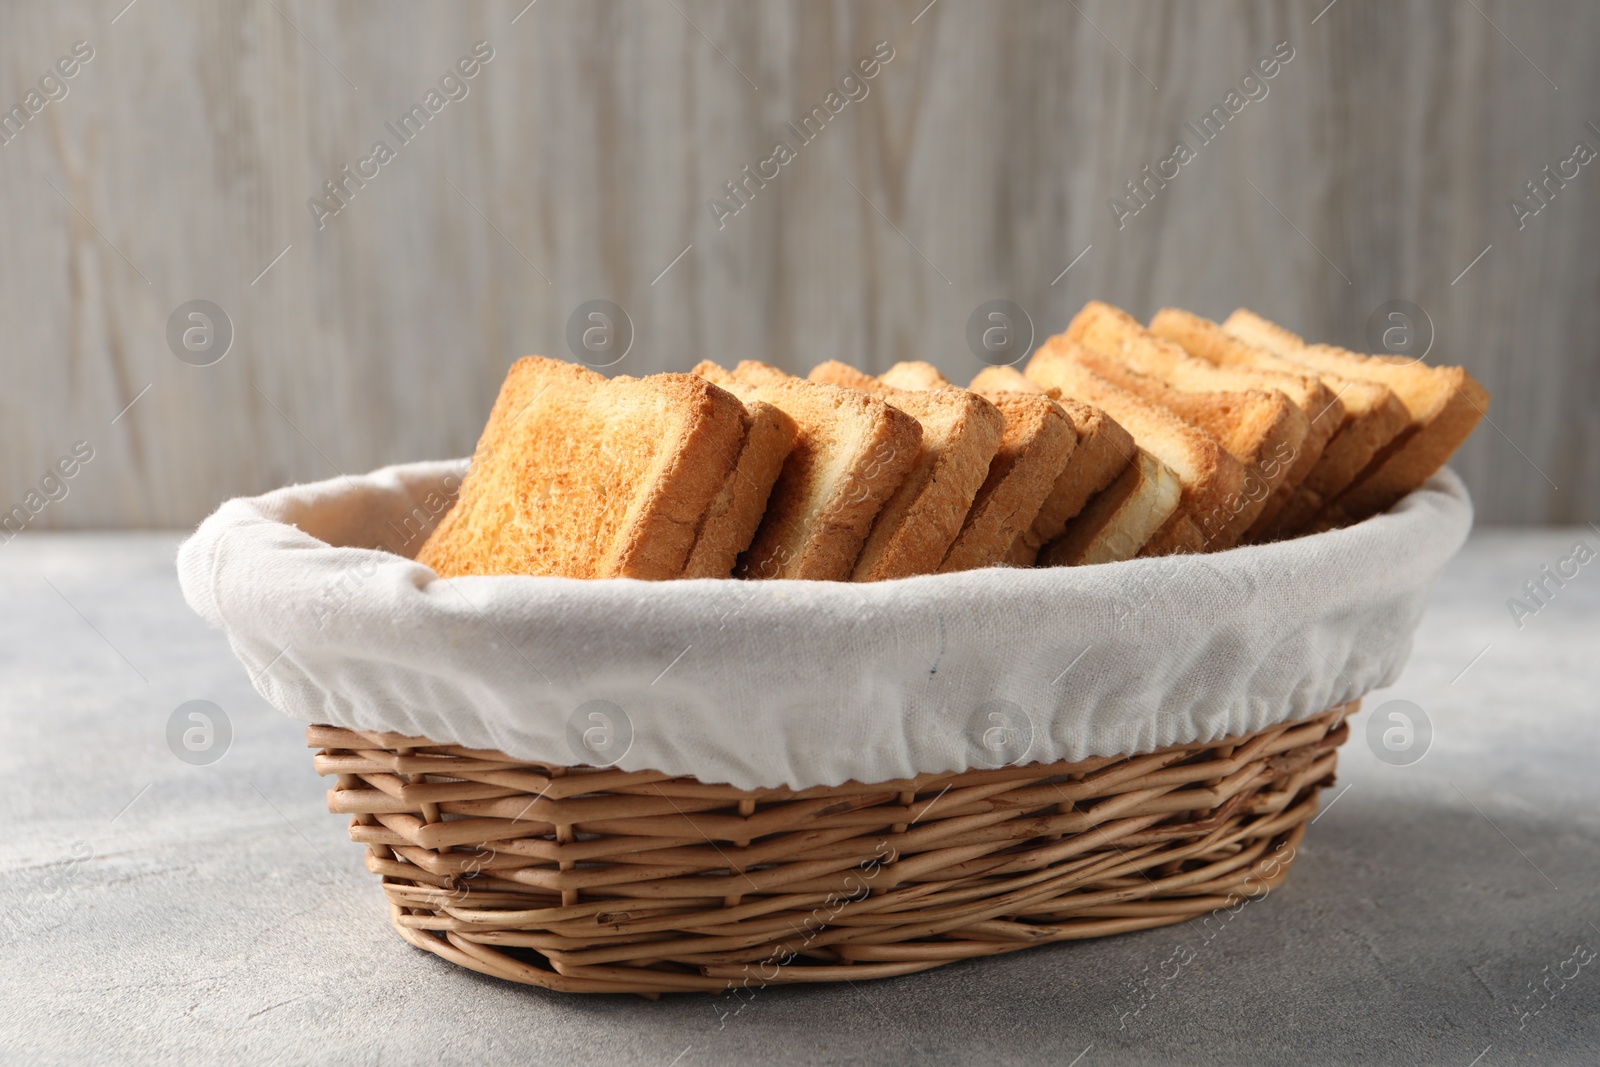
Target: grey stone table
1441, 912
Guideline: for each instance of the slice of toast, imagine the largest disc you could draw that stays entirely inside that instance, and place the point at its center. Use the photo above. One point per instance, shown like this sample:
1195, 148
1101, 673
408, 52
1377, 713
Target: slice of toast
850, 454
961, 433
834, 372
1361, 417
1178, 537
1006, 379
1261, 428
1037, 445
730, 523
579, 476
1378, 419
1103, 454
1104, 451
1212, 479
1120, 520
1200, 355
755, 374
914, 374
1374, 417
1443, 404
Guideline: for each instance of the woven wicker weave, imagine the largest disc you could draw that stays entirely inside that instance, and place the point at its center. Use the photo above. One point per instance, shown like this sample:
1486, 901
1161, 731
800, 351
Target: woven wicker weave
606, 881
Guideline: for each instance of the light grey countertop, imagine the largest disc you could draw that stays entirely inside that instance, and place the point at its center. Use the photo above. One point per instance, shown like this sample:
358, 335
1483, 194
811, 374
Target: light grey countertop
155, 910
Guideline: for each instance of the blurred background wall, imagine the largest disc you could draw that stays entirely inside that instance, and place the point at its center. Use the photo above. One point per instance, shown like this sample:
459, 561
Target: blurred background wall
581, 160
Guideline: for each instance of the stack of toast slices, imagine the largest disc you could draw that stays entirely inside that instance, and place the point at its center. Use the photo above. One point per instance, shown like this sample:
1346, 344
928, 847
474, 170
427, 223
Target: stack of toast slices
1116, 440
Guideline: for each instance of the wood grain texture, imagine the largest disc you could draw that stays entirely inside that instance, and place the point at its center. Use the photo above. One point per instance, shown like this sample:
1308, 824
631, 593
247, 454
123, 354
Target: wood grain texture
978, 166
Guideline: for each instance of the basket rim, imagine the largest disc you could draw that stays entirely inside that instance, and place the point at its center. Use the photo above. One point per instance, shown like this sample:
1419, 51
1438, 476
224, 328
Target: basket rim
571, 779
806, 683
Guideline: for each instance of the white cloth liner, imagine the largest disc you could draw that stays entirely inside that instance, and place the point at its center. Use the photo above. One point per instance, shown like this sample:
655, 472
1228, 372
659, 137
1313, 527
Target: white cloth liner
763, 684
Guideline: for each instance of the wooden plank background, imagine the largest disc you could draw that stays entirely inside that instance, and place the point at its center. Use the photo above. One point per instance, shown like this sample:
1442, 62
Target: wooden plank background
580, 164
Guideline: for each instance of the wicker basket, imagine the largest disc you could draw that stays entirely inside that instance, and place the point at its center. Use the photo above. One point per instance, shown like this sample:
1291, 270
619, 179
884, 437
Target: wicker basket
605, 881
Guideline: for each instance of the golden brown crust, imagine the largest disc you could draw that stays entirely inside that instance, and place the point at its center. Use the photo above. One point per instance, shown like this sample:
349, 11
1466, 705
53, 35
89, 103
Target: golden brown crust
1179, 537
480, 534
654, 451
1444, 404
1003, 380
851, 453
1349, 453
1371, 417
1374, 418
961, 434
1257, 422
1104, 453
659, 525
724, 379
1228, 362
1121, 519
833, 372
1037, 444
914, 374
735, 513
1261, 428
1213, 481
1263, 333
754, 372
1118, 440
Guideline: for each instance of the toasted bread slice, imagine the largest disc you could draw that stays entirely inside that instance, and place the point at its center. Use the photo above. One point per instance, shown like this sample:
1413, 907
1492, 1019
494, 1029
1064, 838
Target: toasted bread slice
1004, 380
1213, 480
1103, 454
735, 513
1263, 333
1179, 536
755, 373
1261, 428
1120, 520
914, 374
1443, 404
1104, 451
583, 477
851, 453
1374, 417
833, 372
1360, 417
1212, 359
961, 436
961, 433
1037, 445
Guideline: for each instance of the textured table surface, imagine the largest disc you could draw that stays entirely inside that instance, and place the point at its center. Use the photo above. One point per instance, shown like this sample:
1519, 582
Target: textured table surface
1445, 912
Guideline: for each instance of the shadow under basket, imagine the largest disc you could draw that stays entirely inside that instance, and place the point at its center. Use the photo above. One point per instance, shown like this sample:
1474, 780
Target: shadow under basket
597, 880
